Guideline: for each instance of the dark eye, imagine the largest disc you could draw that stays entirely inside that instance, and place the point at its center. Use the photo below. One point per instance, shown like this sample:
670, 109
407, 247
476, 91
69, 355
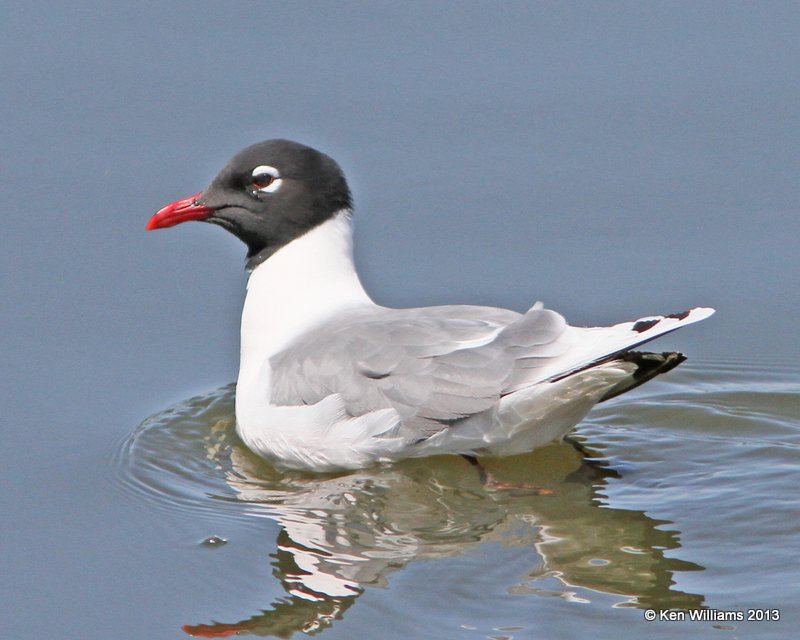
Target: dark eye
262, 180
265, 178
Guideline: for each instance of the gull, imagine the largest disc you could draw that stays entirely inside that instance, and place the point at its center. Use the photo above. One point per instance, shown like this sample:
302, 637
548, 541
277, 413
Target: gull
330, 380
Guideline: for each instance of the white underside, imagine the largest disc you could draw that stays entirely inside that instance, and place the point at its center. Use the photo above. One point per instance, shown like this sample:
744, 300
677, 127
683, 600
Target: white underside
313, 279
304, 283
323, 437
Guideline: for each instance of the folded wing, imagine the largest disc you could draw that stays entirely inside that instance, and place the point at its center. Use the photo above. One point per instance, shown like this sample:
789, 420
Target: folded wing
438, 365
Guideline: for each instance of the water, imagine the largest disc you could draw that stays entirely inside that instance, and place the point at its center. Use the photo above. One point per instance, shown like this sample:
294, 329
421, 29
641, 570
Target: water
612, 159
652, 514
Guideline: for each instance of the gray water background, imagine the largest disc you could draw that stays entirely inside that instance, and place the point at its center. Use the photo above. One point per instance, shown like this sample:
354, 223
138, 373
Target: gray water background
611, 159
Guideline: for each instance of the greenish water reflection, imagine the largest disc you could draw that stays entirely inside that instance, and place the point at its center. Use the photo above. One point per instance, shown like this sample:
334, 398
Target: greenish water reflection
341, 535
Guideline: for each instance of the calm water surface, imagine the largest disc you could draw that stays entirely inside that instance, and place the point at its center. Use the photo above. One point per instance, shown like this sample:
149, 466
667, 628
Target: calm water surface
684, 498
613, 159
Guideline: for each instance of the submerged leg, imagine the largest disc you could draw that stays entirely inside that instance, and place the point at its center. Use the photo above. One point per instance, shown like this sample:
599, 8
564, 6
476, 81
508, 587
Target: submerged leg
488, 480
590, 458
579, 447
482, 474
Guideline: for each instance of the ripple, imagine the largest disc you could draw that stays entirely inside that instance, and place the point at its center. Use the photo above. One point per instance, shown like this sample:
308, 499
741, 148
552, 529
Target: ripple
174, 459
736, 401
340, 534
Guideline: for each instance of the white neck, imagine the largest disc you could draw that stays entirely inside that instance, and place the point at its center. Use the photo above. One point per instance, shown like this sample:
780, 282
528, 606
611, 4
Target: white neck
296, 288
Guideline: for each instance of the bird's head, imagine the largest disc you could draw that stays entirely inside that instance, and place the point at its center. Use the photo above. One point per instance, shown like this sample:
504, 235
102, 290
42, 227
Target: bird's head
267, 195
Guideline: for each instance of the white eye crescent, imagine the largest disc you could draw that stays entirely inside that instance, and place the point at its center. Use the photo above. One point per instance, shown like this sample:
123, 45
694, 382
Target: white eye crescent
266, 179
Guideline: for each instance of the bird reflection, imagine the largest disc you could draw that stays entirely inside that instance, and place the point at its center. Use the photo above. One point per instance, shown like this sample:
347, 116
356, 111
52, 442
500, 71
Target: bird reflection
341, 535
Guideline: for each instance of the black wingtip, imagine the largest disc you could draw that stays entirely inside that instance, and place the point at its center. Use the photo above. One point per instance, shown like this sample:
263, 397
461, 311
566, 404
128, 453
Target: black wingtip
679, 316
644, 325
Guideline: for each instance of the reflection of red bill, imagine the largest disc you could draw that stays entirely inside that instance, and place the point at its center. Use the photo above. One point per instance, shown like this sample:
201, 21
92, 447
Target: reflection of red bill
218, 630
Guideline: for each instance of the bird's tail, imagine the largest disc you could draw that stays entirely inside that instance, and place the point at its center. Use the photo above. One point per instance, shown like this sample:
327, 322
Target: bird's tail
648, 366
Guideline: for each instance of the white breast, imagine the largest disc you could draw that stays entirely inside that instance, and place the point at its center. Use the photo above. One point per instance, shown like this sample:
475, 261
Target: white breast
299, 287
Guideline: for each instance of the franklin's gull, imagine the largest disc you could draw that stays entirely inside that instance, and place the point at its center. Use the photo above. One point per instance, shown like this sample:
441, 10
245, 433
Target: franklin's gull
330, 380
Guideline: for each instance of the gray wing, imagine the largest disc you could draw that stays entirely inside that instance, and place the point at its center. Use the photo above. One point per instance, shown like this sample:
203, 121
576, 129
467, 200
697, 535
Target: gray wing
433, 365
